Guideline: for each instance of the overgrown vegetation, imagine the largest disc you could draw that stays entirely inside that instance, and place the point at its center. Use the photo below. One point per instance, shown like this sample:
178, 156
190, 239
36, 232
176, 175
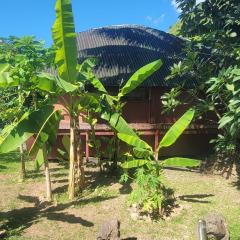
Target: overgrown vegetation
213, 60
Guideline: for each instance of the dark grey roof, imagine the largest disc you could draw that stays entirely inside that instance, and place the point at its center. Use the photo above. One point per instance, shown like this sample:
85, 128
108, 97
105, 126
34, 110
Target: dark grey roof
123, 49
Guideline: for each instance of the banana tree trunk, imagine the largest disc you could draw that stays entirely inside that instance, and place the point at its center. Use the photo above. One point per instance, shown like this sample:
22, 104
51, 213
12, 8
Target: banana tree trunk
23, 169
76, 170
72, 158
47, 175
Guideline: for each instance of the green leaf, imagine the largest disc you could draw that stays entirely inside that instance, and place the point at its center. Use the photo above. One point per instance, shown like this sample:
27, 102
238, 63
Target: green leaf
29, 125
39, 159
230, 87
118, 123
4, 67
177, 129
66, 86
66, 143
225, 120
46, 82
85, 71
181, 162
134, 163
134, 141
141, 153
5, 78
47, 132
64, 36
89, 102
139, 76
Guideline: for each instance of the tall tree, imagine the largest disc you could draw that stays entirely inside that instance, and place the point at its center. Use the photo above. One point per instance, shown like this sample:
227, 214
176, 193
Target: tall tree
213, 60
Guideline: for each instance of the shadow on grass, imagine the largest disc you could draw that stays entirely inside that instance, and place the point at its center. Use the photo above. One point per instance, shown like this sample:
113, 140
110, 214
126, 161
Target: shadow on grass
196, 198
2, 167
19, 219
34, 174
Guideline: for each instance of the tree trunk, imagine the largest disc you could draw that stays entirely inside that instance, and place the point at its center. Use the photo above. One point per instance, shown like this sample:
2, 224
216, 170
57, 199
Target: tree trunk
47, 175
80, 168
72, 158
23, 169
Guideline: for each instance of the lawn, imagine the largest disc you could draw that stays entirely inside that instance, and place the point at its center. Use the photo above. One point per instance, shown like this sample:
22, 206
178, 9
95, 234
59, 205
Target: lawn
25, 215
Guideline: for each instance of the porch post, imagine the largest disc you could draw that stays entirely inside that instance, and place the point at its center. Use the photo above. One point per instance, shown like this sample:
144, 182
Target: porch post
156, 140
87, 147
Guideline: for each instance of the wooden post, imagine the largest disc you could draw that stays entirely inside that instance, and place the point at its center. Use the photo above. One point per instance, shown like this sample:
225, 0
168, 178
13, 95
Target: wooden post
47, 174
156, 140
22, 170
87, 147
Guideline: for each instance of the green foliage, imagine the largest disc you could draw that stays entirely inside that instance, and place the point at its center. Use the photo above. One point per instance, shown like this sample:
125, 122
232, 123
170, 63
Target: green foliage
170, 100
180, 162
29, 125
177, 129
64, 37
151, 195
139, 76
134, 163
39, 159
134, 141
212, 60
175, 28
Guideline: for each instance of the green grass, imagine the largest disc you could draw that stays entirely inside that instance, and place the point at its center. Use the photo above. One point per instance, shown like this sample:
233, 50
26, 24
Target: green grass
197, 195
10, 164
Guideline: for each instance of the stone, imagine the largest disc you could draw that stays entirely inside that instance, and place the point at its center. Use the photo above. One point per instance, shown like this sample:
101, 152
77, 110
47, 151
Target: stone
110, 230
216, 227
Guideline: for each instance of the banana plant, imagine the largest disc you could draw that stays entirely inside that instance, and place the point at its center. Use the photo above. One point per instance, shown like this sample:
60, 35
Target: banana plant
151, 194
63, 86
68, 87
112, 106
143, 154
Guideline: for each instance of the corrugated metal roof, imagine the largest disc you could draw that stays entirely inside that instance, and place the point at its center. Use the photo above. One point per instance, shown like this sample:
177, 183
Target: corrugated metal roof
123, 49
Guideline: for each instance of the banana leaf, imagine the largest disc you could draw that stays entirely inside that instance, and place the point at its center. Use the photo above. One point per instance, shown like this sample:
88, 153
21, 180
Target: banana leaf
47, 132
64, 36
181, 162
118, 123
139, 76
28, 125
176, 129
134, 163
86, 73
134, 141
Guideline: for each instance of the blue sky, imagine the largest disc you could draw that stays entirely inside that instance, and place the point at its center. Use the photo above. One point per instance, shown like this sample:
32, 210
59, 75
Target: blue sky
35, 17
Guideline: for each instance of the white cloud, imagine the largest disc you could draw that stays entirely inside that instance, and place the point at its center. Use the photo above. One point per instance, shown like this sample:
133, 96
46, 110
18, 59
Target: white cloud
175, 5
156, 21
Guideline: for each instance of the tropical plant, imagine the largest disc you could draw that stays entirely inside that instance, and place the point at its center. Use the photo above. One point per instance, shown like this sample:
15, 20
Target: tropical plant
64, 85
213, 61
111, 107
151, 195
20, 60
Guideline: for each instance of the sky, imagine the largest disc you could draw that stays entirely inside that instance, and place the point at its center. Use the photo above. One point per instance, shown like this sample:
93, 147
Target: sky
35, 17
